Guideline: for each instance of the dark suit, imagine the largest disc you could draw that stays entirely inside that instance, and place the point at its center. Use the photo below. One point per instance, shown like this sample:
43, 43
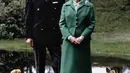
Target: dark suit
42, 17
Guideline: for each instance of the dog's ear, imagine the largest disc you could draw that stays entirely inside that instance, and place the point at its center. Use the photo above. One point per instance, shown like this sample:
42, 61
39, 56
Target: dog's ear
18, 70
13, 71
108, 70
113, 71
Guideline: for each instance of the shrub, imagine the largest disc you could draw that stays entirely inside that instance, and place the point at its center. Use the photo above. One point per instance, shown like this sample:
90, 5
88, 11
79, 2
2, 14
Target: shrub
12, 20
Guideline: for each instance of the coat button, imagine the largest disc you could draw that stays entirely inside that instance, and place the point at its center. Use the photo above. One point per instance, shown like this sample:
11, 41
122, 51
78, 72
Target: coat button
54, 28
52, 18
55, 2
55, 8
38, 9
76, 22
76, 18
41, 29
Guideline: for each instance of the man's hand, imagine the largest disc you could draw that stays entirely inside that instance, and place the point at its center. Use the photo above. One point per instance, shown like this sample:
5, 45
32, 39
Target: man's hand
29, 41
72, 39
79, 39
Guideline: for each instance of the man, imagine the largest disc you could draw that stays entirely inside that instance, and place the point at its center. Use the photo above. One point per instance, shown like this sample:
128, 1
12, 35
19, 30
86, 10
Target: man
42, 31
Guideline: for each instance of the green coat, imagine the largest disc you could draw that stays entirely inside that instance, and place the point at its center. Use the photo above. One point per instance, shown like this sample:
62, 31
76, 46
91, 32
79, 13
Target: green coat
76, 58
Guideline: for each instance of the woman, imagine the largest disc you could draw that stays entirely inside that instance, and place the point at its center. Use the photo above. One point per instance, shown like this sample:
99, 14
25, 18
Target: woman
77, 22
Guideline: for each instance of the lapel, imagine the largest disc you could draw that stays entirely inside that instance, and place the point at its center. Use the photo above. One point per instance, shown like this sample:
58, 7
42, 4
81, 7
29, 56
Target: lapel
70, 3
82, 3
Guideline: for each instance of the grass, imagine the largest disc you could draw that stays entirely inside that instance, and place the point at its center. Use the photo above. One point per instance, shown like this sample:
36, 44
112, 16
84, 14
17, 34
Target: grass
14, 45
102, 44
111, 44
112, 15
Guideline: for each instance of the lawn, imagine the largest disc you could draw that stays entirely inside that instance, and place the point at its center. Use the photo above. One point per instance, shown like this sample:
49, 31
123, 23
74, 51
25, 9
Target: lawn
111, 44
102, 44
14, 45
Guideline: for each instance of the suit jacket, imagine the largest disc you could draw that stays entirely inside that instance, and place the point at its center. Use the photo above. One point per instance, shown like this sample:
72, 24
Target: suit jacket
41, 19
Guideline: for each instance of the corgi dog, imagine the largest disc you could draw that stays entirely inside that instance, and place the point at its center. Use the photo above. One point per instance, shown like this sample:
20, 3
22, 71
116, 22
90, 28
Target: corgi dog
16, 71
110, 71
113, 70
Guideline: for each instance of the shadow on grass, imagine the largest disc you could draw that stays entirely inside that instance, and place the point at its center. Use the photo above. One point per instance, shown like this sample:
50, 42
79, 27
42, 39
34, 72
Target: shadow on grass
109, 61
10, 60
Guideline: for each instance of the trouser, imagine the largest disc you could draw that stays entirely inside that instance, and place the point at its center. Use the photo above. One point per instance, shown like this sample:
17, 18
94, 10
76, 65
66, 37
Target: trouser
40, 57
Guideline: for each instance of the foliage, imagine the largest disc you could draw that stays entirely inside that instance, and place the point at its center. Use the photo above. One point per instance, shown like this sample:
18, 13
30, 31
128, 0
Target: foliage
12, 20
111, 16
6, 1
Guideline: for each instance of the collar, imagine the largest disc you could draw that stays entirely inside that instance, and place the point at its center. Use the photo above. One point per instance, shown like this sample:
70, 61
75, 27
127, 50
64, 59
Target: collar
82, 2
75, 4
